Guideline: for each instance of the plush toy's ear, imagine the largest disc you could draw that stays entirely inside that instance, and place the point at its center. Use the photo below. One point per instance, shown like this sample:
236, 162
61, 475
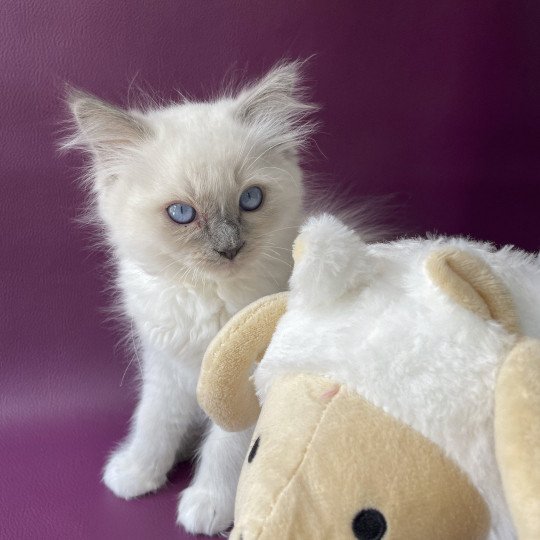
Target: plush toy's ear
225, 391
517, 435
470, 282
330, 260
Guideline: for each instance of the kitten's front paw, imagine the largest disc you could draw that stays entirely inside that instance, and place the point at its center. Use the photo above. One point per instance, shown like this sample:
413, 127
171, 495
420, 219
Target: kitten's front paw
126, 478
205, 511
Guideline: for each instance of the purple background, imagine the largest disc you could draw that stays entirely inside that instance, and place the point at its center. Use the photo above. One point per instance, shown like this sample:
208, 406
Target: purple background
435, 103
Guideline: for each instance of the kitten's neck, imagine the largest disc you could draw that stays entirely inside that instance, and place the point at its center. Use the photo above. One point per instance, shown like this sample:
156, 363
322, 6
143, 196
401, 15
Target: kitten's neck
235, 291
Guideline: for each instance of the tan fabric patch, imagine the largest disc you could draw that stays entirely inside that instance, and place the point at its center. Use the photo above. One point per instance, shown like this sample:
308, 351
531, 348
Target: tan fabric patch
470, 282
224, 390
517, 435
325, 454
299, 249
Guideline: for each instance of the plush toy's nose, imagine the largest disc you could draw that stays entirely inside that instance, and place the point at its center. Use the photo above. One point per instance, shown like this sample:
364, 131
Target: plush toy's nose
324, 463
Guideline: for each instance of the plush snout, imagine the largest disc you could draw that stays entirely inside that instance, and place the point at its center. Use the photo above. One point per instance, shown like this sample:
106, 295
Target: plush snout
324, 463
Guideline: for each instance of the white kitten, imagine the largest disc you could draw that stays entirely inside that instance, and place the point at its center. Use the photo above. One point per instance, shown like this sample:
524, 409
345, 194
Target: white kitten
200, 203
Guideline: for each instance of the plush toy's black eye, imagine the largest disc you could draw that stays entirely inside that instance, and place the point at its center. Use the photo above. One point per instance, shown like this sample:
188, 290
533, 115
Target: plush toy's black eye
254, 449
369, 524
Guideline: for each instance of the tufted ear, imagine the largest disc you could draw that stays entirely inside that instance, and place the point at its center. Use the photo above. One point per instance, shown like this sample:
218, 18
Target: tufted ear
106, 131
225, 391
276, 107
470, 282
517, 435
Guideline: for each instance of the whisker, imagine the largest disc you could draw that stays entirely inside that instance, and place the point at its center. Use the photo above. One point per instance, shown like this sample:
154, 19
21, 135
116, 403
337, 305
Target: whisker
136, 352
267, 274
287, 250
266, 254
279, 230
264, 152
277, 169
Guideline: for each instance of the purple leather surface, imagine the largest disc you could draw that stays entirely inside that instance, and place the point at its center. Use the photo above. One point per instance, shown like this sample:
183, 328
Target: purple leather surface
434, 102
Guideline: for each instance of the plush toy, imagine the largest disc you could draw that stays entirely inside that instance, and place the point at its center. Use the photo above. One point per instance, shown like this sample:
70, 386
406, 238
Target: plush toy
399, 392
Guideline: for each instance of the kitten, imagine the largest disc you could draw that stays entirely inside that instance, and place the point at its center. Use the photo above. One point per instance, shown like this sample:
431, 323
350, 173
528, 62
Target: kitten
200, 203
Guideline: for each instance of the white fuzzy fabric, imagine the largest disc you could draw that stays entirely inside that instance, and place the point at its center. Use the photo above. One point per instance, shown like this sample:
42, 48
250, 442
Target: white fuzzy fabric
176, 289
369, 317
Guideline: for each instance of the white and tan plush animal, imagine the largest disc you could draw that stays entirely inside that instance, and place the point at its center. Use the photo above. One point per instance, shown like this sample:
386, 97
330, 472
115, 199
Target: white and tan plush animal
399, 387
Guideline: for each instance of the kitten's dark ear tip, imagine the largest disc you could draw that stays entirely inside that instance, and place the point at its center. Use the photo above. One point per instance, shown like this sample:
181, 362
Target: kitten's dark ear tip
296, 69
78, 100
70, 94
287, 73
279, 103
297, 66
106, 130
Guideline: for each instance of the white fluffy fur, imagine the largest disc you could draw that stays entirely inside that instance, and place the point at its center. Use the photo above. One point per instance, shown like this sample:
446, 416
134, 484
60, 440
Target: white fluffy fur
402, 343
175, 288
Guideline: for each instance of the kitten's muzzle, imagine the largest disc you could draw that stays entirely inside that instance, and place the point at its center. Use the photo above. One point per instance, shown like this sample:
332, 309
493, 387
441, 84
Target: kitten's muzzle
225, 236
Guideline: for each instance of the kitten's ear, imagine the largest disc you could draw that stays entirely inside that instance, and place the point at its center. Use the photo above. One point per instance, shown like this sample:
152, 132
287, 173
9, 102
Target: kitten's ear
276, 108
107, 131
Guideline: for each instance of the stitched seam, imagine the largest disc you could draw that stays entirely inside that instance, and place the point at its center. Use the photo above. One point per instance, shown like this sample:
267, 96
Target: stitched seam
295, 473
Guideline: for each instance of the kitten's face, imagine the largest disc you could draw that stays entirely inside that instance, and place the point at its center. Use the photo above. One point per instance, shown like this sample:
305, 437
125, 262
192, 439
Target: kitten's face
200, 189
204, 168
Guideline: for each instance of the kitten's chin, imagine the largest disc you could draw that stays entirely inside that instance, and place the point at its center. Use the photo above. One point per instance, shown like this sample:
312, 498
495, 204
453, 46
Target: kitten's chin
223, 268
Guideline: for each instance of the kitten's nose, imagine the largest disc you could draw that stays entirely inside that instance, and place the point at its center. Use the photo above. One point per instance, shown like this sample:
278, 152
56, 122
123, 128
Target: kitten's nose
231, 253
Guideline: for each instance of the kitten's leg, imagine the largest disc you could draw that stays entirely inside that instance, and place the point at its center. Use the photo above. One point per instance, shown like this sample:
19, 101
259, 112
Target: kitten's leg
162, 420
207, 505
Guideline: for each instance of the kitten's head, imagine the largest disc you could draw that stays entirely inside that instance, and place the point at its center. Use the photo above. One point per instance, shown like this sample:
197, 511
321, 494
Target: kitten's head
189, 188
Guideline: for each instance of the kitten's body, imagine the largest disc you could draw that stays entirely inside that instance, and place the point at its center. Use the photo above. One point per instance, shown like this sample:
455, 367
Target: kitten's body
177, 286
175, 323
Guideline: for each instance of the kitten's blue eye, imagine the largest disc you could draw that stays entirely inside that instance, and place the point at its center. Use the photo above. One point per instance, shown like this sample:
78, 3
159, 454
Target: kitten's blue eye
251, 198
181, 213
